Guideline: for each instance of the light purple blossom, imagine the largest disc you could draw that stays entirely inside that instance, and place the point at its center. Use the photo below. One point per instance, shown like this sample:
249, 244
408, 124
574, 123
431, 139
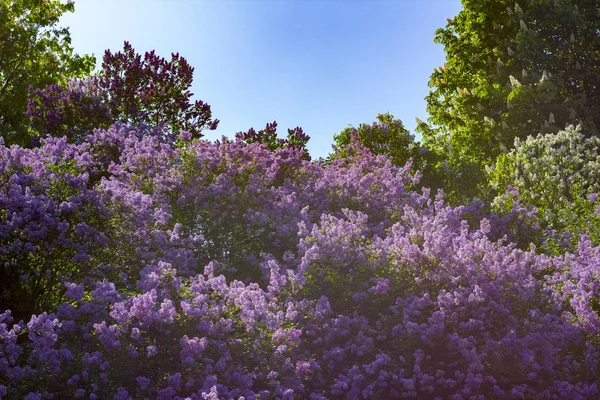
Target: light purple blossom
224, 270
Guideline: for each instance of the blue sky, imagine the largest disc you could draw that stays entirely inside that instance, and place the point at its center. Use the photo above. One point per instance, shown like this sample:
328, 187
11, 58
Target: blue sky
316, 64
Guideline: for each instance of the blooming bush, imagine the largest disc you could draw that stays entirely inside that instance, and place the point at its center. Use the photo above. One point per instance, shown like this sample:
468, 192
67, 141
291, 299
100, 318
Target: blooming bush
128, 89
268, 136
226, 271
558, 175
72, 111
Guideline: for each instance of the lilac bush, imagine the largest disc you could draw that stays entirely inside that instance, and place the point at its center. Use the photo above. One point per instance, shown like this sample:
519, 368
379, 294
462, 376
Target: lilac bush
52, 224
71, 111
129, 88
268, 136
226, 271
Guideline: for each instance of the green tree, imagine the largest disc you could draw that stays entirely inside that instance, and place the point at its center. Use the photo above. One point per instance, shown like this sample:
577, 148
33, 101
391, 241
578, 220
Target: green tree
385, 136
512, 70
388, 136
33, 51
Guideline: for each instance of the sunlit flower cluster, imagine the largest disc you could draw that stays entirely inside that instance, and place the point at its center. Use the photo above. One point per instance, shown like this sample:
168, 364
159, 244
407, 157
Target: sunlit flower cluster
223, 270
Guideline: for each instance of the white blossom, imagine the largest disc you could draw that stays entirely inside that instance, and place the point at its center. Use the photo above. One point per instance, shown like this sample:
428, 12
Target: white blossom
523, 26
518, 9
550, 171
514, 82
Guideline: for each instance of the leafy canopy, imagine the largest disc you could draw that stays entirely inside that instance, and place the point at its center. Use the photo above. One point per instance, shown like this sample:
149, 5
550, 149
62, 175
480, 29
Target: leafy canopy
512, 70
388, 136
33, 51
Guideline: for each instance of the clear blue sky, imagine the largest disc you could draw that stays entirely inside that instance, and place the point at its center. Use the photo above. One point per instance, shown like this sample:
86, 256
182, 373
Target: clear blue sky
317, 64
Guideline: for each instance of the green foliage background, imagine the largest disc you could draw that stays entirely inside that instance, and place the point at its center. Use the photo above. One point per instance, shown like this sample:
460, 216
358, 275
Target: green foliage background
512, 70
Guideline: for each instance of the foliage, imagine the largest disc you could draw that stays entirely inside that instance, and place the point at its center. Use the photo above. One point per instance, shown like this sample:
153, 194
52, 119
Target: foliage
153, 91
232, 270
150, 91
512, 70
34, 51
387, 136
558, 174
73, 111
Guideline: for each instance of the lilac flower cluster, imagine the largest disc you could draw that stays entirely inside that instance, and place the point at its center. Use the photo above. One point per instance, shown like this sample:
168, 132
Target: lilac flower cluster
71, 111
227, 271
268, 136
128, 89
